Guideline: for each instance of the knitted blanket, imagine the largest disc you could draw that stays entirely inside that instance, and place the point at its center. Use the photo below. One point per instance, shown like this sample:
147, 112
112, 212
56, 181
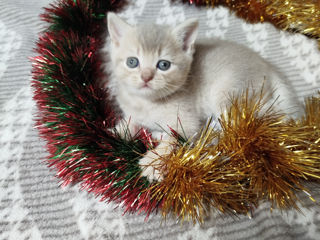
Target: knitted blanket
32, 203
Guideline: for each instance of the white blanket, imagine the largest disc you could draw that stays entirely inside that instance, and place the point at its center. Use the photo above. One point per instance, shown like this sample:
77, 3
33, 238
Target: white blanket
34, 206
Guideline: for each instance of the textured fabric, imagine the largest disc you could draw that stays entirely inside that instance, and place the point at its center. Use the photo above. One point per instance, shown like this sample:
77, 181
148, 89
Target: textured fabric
34, 206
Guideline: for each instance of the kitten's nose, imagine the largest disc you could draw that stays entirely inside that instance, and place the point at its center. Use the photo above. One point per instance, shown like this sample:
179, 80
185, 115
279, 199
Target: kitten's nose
147, 75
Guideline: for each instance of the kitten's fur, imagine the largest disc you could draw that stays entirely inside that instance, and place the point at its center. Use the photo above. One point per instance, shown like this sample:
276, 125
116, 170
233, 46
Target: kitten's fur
194, 88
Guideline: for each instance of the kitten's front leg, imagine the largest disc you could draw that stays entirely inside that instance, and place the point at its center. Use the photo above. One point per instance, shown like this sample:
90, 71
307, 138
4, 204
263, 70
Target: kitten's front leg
126, 128
151, 162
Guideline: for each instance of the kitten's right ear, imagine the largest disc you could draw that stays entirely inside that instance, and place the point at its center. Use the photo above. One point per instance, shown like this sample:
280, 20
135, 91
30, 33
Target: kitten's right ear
186, 34
117, 28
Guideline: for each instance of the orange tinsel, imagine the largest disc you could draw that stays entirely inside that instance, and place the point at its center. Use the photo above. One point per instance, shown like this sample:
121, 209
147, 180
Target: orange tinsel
257, 155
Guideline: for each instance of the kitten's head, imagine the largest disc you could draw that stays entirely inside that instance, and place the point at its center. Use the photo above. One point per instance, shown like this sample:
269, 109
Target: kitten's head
149, 60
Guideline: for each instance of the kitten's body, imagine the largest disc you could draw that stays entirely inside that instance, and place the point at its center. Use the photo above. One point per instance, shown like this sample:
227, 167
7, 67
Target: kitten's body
195, 88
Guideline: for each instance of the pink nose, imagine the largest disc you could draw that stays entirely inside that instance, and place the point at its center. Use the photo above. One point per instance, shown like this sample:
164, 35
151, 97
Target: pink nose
147, 79
147, 75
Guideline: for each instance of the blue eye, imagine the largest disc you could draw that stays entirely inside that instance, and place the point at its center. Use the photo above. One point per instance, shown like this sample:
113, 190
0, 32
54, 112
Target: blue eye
132, 62
163, 65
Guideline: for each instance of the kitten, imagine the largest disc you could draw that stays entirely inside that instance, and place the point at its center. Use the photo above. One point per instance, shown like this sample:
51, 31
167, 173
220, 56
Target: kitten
160, 74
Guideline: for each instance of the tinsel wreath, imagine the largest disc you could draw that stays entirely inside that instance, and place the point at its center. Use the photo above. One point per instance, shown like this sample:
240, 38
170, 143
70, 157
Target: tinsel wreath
255, 156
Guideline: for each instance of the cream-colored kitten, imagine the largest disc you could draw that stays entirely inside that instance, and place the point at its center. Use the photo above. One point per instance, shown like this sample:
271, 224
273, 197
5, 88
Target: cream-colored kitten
160, 74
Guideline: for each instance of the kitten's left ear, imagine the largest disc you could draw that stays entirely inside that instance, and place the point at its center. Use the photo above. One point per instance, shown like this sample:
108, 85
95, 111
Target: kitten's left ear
186, 34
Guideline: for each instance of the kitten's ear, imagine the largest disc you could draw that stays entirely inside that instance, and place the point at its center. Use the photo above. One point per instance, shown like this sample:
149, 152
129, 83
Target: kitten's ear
186, 33
117, 28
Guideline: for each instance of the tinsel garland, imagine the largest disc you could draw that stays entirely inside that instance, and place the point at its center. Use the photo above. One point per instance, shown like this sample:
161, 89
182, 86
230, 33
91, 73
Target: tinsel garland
73, 115
256, 156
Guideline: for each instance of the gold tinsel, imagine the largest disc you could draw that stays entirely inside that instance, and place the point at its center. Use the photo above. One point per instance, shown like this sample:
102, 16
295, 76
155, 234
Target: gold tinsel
290, 15
257, 155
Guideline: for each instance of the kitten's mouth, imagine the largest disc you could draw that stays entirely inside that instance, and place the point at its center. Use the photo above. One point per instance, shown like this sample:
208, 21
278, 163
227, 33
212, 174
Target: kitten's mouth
145, 85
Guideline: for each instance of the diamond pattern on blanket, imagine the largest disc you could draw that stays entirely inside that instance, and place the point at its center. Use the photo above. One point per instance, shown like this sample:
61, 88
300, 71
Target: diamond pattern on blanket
10, 42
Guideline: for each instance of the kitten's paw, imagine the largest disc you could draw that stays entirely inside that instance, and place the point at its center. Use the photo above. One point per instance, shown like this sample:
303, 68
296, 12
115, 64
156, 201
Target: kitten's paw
123, 131
152, 163
150, 166
126, 130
